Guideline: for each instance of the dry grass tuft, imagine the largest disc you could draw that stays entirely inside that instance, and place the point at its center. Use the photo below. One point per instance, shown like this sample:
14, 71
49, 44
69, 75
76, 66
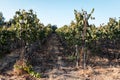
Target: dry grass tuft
18, 67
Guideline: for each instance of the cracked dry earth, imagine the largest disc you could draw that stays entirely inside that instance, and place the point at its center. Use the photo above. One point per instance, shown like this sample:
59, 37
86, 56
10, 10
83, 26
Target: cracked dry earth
52, 63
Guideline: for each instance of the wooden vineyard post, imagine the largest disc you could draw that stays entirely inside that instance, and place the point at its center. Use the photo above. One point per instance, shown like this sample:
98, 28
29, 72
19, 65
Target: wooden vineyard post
22, 41
84, 38
77, 56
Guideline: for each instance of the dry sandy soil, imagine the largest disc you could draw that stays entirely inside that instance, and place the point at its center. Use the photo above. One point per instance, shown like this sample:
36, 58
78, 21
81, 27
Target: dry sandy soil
88, 74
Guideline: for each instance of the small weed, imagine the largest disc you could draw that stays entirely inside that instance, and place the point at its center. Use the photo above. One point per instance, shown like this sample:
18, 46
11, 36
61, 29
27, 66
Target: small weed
71, 58
21, 67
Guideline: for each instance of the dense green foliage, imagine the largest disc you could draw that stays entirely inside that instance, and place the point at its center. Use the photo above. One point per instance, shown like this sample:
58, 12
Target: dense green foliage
95, 38
25, 27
